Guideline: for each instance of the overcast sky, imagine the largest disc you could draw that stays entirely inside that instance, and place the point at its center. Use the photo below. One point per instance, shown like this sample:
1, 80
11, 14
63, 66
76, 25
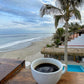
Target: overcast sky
24, 14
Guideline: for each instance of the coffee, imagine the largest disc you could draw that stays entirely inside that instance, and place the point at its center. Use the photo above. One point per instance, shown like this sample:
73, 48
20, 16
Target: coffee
46, 68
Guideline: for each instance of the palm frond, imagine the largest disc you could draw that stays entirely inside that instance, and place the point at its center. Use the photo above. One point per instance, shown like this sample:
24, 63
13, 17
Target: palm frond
77, 2
57, 19
77, 14
49, 9
63, 4
71, 3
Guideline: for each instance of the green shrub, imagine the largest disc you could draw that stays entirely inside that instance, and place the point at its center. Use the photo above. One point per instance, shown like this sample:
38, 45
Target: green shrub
48, 45
57, 42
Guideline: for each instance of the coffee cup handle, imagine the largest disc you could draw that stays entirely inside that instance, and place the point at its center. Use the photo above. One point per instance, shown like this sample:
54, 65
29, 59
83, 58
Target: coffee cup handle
65, 68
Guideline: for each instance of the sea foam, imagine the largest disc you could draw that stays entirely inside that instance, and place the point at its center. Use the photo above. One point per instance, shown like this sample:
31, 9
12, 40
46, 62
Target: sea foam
18, 42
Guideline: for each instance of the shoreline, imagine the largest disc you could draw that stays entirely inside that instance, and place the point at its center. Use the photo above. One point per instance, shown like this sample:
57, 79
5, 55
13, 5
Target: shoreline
22, 45
32, 52
28, 53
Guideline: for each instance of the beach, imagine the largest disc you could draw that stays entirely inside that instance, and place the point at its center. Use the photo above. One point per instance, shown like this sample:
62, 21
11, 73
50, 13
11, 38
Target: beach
29, 53
32, 52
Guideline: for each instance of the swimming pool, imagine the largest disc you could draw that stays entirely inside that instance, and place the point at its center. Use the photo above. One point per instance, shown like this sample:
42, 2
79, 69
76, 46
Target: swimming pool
75, 68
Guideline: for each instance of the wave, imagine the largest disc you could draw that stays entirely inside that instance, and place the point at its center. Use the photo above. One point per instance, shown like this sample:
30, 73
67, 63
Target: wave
18, 42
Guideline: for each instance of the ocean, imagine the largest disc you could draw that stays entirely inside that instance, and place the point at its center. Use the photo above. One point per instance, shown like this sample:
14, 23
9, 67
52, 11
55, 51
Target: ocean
10, 42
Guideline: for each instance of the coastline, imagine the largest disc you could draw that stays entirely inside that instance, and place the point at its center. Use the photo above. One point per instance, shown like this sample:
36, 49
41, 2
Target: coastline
32, 52
29, 53
13, 43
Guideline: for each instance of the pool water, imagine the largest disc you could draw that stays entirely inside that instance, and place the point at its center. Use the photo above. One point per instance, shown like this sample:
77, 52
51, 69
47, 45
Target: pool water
75, 68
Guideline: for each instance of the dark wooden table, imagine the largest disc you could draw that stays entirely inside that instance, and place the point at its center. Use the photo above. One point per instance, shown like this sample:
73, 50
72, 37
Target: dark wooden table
9, 67
25, 77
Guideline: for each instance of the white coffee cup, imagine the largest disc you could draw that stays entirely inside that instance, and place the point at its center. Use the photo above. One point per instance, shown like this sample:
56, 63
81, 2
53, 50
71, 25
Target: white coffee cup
47, 78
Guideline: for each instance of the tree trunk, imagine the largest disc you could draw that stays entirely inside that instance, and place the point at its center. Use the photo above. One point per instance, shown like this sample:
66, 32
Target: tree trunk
66, 41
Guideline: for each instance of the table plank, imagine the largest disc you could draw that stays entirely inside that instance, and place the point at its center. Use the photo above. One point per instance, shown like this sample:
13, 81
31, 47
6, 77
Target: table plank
8, 67
72, 78
25, 77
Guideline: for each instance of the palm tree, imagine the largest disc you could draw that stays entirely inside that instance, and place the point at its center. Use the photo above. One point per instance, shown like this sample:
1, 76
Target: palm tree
67, 9
82, 26
73, 28
59, 34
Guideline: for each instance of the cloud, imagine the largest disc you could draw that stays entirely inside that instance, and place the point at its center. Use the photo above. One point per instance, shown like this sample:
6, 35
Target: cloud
25, 14
48, 2
26, 10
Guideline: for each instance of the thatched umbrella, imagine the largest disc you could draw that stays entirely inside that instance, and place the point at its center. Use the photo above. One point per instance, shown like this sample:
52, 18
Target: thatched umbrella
60, 51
